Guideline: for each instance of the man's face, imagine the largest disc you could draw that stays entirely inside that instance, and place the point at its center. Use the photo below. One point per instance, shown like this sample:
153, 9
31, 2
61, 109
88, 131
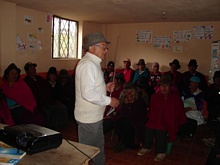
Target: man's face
217, 81
100, 50
127, 65
31, 71
164, 88
192, 69
141, 67
110, 68
194, 85
173, 67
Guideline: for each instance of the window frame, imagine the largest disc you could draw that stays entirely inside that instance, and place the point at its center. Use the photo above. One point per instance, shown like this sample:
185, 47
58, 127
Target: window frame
77, 39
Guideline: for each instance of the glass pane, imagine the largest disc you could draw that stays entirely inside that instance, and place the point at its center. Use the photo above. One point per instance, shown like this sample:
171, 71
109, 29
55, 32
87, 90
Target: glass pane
65, 38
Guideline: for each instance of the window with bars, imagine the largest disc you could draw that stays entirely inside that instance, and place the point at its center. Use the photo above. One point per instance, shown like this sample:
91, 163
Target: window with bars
64, 38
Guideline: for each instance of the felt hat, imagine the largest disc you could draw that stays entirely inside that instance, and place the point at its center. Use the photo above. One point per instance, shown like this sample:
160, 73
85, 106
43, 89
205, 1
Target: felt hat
92, 39
141, 62
64, 73
192, 62
111, 63
195, 79
127, 60
52, 70
155, 64
175, 62
216, 74
9, 68
28, 65
166, 79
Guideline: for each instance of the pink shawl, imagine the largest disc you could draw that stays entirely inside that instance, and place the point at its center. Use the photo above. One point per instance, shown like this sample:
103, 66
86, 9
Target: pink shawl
20, 93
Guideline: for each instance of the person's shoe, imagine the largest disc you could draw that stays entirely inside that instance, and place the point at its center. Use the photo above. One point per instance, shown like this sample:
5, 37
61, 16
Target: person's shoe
159, 157
144, 151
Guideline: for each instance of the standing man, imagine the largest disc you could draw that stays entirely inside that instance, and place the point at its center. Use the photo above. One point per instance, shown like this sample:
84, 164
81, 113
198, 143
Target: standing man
192, 66
91, 98
127, 71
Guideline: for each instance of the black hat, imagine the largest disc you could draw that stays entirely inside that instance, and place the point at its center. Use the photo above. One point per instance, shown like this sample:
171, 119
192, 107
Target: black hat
63, 73
175, 62
166, 79
52, 70
141, 62
192, 62
92, 39
9, 68
28, 65
216, 74
111, 63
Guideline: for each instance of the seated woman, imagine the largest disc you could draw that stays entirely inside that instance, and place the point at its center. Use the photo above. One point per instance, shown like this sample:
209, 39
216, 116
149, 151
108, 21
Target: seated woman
19, 97
52, 79
66, 92
193, 99
130, 119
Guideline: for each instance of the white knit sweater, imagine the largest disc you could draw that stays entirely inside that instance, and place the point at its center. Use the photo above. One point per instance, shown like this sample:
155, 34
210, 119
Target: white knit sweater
91, 98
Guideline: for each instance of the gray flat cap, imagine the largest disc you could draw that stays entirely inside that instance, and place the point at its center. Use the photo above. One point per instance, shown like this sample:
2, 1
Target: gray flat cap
92, 39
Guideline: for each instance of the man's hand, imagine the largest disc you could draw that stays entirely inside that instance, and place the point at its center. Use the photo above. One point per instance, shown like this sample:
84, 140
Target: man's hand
110, 86
114, 102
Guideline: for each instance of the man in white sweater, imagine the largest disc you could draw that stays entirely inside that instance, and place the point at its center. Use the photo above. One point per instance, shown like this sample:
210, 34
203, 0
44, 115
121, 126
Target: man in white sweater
91, 98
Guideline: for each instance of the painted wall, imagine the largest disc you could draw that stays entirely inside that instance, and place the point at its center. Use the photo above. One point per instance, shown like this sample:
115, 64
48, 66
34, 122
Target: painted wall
123, 38
12, 23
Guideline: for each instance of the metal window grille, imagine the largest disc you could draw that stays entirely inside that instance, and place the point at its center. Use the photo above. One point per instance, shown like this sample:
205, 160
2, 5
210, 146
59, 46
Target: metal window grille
64, 38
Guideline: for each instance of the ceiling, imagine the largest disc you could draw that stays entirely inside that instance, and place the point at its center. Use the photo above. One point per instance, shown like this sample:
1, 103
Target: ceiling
128, 11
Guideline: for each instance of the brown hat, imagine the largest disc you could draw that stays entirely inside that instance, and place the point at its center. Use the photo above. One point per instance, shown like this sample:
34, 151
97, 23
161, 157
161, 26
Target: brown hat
127, 60
52, 70
192, 62
176, 62
216, 74
92, 39
9, 68
141, 62
111, 63
166, 79
28, 65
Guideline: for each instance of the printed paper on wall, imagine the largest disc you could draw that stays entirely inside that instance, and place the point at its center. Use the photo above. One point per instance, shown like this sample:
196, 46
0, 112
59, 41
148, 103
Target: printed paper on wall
203, 32
144, 36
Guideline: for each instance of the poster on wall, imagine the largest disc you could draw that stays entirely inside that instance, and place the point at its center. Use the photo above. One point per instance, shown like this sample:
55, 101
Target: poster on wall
162, 42
203, 32
144, 36
177, 49
182, 36
20, 44
215, 59
48, 17
28, 20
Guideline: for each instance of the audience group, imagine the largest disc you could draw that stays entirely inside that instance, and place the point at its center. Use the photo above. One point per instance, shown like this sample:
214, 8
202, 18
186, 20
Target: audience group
167, 105
35, 100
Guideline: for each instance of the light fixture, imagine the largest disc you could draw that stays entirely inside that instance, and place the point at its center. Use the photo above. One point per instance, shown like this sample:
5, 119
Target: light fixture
163, 14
